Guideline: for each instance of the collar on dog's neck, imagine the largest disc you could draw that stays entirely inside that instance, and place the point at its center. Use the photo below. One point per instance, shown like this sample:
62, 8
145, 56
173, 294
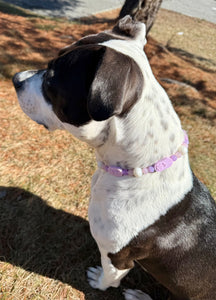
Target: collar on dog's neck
159, 166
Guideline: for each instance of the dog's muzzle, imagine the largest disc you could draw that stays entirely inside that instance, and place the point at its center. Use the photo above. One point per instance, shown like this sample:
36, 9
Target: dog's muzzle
20, 78
27, 84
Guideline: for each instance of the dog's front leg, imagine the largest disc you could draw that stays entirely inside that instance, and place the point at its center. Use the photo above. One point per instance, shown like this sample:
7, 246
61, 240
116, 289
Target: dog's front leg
106, 276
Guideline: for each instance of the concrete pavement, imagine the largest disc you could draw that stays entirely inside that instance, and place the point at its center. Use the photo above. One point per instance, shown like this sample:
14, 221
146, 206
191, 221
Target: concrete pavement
67, 8
203, 9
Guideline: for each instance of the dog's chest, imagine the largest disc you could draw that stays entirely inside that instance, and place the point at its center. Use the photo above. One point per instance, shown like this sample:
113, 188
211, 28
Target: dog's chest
120, 208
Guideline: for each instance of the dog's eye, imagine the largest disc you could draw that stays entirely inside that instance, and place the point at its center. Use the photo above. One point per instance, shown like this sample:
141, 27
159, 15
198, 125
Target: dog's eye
51, 73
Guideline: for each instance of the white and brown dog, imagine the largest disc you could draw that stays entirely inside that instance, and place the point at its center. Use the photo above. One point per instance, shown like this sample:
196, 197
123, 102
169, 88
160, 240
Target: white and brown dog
146, 205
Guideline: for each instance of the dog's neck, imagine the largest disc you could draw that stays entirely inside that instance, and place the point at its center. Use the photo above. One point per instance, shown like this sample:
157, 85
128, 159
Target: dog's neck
151, 131
140, 140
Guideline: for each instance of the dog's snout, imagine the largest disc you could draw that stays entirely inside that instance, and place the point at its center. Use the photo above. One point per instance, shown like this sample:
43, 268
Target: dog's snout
20, 78
17, 82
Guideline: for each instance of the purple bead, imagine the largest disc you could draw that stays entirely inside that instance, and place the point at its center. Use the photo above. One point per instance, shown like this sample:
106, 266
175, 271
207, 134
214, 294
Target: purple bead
163, 164
151, 169
174, 157
125, 172
115, 171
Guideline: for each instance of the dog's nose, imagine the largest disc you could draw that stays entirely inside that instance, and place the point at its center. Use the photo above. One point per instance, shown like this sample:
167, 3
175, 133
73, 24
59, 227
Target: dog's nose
20, 78
17, 82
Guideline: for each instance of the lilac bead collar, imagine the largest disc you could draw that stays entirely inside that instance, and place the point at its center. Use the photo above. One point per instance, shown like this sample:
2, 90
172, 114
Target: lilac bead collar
159, 166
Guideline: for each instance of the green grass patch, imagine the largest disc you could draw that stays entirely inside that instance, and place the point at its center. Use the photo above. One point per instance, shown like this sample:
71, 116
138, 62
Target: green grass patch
46, 27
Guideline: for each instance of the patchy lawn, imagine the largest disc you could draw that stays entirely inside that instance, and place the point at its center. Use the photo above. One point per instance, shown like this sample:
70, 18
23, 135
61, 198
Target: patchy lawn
45, 243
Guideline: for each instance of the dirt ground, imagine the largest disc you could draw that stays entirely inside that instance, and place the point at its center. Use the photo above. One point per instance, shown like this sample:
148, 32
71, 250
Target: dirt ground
45, 244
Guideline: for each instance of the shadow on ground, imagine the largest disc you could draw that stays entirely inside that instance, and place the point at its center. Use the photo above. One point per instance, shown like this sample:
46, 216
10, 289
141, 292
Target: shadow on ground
10, 9
51, 8
91, 20
56, 244
46, 5
194, 59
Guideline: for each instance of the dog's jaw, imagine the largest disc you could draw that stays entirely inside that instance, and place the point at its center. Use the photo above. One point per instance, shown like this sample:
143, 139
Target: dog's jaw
94, 133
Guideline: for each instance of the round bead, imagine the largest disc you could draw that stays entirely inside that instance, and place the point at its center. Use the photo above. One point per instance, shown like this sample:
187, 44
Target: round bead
125, 172
183, 150
145, 171
174, 157
151, 169
178, 154
137, 172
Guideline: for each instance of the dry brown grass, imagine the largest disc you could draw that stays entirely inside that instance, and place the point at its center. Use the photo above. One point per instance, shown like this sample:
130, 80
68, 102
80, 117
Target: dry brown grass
45, 243
197, 43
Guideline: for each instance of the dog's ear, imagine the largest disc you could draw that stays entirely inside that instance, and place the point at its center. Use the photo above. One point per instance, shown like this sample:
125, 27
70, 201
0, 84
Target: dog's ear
117, 85
66, 49
131, 29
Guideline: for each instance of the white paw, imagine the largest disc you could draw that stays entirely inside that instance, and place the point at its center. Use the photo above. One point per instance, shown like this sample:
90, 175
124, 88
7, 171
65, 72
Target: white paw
135, 295
95, 276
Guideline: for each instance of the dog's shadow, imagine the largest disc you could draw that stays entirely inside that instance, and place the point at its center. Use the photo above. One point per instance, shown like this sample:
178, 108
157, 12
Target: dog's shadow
56, 244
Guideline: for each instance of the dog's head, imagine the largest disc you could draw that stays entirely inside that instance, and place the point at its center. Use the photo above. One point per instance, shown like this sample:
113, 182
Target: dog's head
88, 82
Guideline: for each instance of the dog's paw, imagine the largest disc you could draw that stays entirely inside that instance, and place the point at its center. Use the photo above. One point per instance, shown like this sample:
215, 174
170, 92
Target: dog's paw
95, 278
136, 295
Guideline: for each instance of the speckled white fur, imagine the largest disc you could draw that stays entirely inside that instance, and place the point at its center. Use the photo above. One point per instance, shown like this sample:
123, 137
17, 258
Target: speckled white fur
121, 207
